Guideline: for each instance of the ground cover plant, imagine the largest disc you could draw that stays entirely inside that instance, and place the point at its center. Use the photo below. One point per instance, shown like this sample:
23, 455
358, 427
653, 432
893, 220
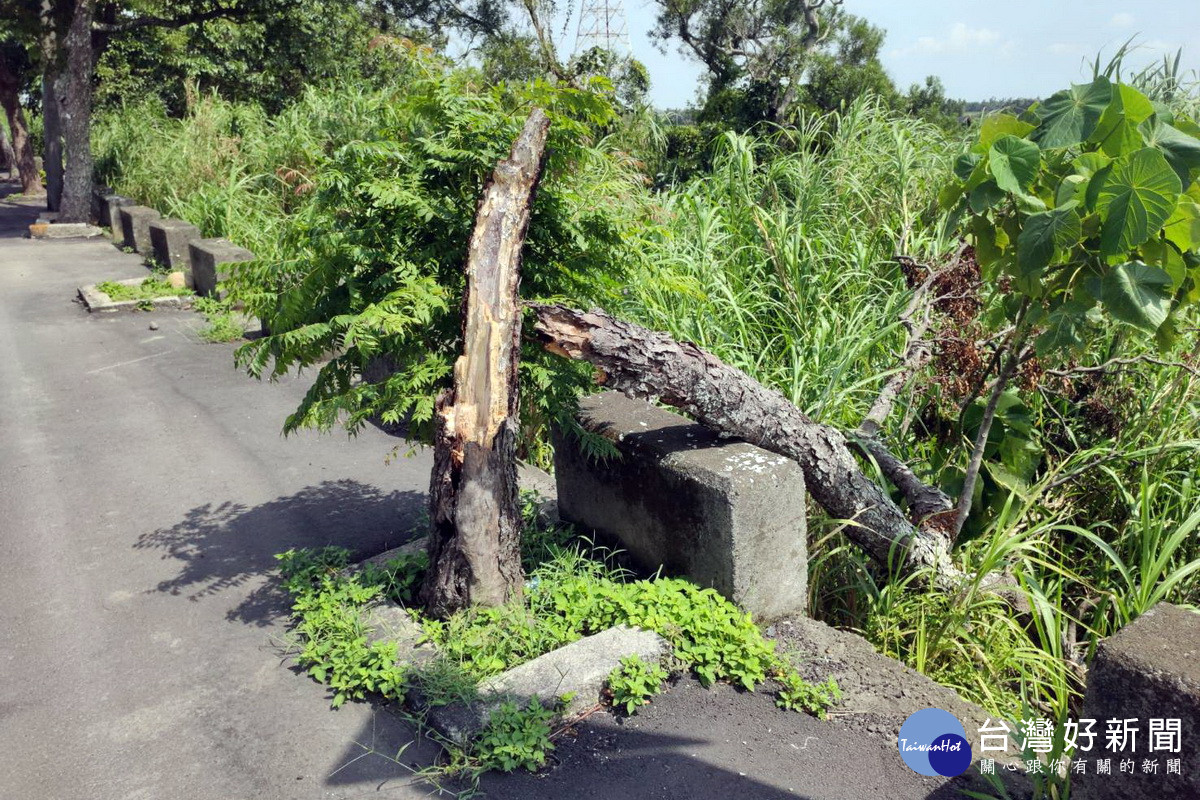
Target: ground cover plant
573, 591
148, 289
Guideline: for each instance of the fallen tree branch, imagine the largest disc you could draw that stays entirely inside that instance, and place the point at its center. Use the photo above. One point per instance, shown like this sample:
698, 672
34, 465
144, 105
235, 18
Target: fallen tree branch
651, 365
1114, 364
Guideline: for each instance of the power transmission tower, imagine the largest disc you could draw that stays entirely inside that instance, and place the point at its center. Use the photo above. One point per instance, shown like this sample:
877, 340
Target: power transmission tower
603, 25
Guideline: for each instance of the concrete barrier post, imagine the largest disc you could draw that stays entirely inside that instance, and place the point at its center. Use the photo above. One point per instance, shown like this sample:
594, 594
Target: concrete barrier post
721, 512
169, 239
208, 256
135, 228
110, 215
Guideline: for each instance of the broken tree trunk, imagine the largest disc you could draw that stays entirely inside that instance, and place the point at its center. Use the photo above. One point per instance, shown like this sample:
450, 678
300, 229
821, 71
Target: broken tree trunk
651, 365
475, 542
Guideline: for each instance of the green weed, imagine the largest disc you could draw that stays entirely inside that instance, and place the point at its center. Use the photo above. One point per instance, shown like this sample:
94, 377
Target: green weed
147, 290
634, 683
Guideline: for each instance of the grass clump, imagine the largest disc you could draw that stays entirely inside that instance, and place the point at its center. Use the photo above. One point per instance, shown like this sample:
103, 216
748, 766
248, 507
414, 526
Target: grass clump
148, 289
222, 325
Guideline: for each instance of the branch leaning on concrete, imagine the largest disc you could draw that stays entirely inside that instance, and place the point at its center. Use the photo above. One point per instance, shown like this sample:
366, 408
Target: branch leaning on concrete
651, 365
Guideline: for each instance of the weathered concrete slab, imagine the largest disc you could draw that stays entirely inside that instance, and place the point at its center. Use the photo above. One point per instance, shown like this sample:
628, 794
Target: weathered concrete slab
878, 693
135, 228
1149, 670
389, 622
97, 301
169, 239
579, 669
111, 216
63, 230
208, 256
722, 512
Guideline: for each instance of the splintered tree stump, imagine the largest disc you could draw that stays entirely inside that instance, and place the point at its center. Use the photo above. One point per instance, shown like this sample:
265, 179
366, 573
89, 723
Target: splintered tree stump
653, 366
475, 541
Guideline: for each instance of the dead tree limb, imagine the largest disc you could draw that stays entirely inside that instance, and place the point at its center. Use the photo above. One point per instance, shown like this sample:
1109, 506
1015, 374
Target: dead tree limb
651, 365
925, 501
475, 541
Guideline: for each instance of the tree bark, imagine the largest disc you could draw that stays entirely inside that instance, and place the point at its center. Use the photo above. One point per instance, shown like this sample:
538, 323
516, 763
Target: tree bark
8, 159
76, 109
651, 365
475, 541
52, 155
31, 182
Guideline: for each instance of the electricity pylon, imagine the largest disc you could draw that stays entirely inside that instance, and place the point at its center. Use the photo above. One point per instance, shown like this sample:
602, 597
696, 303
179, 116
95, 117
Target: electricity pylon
602, 24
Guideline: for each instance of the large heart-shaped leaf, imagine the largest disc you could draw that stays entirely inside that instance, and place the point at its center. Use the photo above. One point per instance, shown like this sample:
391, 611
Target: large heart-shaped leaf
1070, 116
1065, 325
984, 196
1137, 294
1183, 227
1181, 150
1117, 131
997, 124
1014, 162
1043, 234
1137, 197
964, 165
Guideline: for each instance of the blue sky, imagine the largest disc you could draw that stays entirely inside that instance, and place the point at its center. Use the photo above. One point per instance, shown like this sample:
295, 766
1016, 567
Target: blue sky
1010, 48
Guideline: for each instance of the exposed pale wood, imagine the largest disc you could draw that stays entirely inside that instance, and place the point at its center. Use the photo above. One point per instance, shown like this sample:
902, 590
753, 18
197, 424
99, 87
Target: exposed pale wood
474, 546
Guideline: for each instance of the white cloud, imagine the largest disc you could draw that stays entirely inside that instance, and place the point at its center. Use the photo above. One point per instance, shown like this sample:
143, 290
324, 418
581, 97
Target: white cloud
960, 38
1067, 49
1122, 19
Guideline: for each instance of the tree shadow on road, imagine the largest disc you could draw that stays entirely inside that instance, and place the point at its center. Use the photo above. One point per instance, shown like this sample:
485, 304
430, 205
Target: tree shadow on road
225, 546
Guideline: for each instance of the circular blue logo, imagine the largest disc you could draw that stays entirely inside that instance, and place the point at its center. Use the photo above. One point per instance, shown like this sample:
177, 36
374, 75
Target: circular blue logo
933, 742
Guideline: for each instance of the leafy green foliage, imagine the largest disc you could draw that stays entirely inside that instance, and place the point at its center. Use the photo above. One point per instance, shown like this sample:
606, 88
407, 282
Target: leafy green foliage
797, 694
375, 270
327, 609
221, 323
148, 289
634, 682
1078, 216
516, 737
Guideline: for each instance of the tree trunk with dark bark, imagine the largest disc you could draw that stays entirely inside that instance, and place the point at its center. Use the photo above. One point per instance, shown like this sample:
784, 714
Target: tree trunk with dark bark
52, 154
475, 541
651, 365
31, 182
76, 111
8, 159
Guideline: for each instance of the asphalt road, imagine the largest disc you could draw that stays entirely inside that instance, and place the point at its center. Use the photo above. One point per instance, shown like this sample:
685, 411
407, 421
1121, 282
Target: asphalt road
144, 488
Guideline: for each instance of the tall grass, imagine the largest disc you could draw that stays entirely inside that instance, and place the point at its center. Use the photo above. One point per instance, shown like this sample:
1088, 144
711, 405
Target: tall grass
781, 263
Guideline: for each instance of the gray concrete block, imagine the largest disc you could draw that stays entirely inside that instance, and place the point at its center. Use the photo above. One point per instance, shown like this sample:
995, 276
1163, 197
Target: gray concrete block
208, 256
1150, 669
169, 239
100, 204
719, 511
579, 669
388, 622
111, 216
135, 228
